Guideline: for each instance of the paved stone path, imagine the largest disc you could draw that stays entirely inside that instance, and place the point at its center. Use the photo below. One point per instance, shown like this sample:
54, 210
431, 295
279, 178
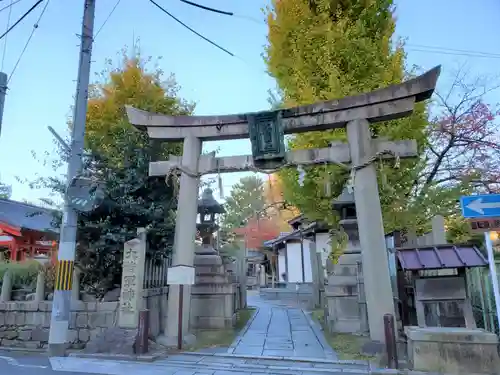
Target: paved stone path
200, 364
281, 329
281, 339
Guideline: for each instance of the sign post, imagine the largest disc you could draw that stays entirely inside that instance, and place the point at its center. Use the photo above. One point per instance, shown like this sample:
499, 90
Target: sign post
180, 275
483, 211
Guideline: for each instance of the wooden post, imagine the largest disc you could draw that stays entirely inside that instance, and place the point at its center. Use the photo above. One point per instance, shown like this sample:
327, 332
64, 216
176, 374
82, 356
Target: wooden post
142, 339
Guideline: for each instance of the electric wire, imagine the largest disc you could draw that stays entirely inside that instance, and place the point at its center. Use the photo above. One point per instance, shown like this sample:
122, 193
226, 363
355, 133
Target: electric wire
454, 50
190, 29
410, 47
442, 52
107, 18
5, 40
35, 26
208, 8
10, 5
21, 18
219, 11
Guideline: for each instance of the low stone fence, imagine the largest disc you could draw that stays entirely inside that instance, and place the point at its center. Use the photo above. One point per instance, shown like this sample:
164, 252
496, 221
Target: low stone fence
26, 324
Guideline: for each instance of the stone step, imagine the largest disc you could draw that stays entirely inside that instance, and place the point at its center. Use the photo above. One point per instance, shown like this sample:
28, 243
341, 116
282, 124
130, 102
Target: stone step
270, 365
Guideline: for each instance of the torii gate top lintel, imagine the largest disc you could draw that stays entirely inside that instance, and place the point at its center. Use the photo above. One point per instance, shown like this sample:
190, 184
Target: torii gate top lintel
387, 103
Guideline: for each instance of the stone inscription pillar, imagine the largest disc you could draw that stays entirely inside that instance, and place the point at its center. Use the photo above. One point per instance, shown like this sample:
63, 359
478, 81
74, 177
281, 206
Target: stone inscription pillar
134, 255
378, 290
185, 234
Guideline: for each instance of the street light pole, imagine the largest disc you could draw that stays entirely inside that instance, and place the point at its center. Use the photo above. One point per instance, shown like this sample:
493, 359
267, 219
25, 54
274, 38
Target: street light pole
59, 322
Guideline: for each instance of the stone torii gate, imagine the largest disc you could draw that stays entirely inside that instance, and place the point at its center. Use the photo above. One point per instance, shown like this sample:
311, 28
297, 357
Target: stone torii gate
266, 130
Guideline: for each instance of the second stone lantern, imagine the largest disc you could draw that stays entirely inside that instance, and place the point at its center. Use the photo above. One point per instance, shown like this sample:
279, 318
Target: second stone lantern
212, 295
345, 290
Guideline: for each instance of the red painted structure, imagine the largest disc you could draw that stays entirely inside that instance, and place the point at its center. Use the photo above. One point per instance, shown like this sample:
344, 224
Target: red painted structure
26, 231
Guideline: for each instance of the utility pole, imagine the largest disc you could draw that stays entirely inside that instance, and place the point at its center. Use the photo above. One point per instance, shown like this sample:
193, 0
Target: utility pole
3, 92
59, 322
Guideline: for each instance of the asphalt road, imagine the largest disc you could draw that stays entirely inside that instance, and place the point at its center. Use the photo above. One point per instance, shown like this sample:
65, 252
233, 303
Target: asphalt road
13, 363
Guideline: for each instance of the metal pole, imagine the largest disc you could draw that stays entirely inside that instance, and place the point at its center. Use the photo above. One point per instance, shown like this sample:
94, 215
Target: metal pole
67, 242
493, 273
179, 329
3, 92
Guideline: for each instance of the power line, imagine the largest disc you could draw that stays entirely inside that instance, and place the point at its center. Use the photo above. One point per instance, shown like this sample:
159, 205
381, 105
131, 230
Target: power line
107, 18
10, 5
219, 11
454, 50
21, 18
419, 47
7, 27
35, 26
190, 29
208, 8
443, 52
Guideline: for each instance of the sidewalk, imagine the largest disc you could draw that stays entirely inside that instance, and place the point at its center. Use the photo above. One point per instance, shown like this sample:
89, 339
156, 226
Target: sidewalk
281, 329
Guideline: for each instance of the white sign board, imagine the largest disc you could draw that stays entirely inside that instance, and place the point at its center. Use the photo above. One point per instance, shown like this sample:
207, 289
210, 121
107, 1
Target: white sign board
180, 275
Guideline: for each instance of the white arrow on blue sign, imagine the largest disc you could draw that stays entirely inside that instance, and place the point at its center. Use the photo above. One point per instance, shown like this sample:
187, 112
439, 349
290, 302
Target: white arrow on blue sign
476, 206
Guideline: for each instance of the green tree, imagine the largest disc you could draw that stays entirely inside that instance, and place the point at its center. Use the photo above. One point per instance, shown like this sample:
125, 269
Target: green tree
118, 155
245, 201
325, 49
5, 191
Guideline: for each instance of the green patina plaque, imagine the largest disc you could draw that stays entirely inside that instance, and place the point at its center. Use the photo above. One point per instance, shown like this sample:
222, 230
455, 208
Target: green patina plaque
268, 139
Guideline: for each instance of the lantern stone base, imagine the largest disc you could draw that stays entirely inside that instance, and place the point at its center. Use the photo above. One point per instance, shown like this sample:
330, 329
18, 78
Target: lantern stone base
212, 296
452, 350
345, 296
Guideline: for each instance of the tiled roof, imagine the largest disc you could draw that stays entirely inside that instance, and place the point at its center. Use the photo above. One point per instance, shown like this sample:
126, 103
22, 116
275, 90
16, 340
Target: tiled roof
440, 257
27, 216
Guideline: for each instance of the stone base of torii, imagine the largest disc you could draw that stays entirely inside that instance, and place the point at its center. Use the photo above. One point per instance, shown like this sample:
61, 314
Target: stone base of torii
355, 114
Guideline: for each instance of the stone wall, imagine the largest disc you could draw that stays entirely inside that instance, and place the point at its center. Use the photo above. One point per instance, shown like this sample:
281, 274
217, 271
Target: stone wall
26, 324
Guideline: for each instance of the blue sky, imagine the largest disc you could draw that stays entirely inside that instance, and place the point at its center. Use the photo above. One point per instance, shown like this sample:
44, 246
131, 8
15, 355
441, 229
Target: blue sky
42, 88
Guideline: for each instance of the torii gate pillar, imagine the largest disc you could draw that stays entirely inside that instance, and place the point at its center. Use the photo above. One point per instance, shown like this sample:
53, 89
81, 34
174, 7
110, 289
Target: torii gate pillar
184, 246
378, 290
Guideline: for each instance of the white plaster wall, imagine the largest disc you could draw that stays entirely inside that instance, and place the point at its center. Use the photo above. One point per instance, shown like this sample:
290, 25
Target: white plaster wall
281, 264
294, 263
307, 262
323, 247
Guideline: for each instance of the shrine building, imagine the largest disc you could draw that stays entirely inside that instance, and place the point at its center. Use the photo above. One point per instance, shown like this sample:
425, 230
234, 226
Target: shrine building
27, 231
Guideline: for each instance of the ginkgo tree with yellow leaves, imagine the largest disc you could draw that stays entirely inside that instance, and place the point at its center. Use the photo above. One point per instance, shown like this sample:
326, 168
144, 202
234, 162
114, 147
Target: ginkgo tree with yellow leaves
327, 49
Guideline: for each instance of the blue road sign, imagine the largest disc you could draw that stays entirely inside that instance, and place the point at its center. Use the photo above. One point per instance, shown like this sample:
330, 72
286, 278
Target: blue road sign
476, 206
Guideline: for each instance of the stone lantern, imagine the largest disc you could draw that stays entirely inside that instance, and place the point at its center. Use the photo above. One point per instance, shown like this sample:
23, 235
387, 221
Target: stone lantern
346, 208
212, 294
345, 290
208, 209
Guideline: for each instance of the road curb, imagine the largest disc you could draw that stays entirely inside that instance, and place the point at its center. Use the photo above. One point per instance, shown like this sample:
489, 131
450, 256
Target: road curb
119, 357
22, 350
318, 331
278, 358
237, 340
